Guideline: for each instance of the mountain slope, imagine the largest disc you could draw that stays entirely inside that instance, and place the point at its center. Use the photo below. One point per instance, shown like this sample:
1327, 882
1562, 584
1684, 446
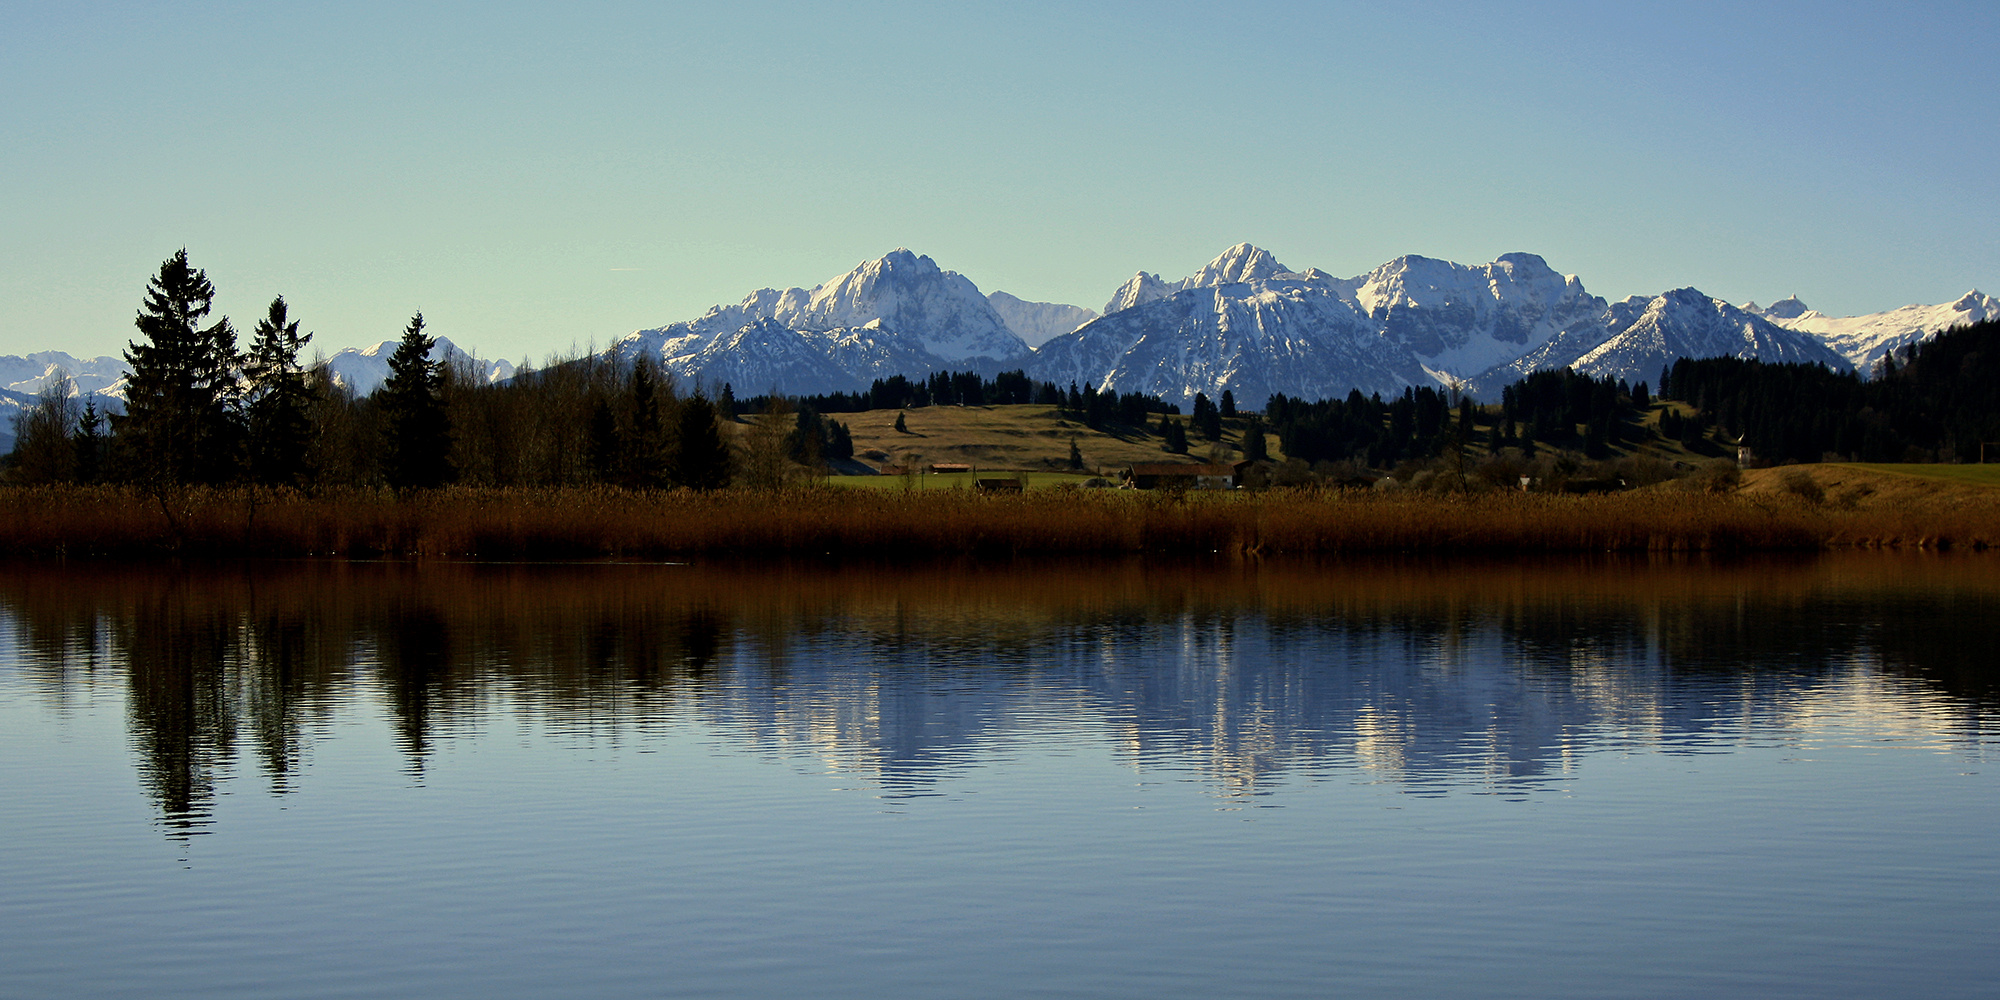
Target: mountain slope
1036, 322
1295, 335
1466, 319
897, 314
1248, 323
1863, 340
92, 375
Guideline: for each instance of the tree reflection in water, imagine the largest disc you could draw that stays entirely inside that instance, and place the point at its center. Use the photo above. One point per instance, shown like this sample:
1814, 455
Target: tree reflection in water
1435, 676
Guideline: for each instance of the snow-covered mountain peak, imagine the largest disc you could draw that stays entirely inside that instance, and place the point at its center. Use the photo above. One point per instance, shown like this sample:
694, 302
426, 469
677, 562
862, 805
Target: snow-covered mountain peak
901, 291
1141, 289
1242, 262
1786, 308
1424, 283
1527, 262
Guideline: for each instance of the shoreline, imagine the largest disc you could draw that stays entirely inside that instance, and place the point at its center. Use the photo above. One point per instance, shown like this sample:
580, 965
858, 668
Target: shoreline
1768, 514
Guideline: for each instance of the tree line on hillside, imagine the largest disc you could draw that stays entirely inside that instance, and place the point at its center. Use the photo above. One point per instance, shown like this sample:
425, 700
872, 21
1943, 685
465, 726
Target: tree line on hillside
201, 411
1096, 410
1938, 401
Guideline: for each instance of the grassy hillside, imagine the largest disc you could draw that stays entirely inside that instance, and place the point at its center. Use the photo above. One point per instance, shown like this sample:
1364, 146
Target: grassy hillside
1034, 438
1022, 437
1975, 475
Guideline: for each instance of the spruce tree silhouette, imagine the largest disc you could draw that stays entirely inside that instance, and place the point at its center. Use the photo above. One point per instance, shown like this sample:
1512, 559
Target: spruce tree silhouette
180, 423
417, 453
279, 395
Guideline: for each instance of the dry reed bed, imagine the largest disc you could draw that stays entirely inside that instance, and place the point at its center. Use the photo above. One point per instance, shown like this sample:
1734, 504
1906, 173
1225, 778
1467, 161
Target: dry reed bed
814, 522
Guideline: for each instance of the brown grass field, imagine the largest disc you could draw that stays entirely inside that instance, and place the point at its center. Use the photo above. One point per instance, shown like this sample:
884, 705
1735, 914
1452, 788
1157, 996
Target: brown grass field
1797, 508
1011, 437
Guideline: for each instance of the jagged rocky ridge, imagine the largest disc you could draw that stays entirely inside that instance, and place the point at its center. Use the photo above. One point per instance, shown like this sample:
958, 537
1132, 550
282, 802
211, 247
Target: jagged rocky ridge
1247, 323
900, 314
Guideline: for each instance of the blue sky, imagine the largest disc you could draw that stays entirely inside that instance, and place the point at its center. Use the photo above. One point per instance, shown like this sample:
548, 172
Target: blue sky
541, 177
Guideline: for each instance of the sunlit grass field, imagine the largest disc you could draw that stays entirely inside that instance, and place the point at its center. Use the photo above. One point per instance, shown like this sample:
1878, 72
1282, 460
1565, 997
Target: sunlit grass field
1976, 475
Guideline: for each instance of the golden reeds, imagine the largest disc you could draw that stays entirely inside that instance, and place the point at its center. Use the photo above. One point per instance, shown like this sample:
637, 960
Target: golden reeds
890, 524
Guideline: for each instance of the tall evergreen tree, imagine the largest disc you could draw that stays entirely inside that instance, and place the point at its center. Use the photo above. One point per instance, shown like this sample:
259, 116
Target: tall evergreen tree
1206, 419
646, 439
1255, 448
89, 442
279, 394
701, 457
604, 451
180, 423
808, 442
417, 430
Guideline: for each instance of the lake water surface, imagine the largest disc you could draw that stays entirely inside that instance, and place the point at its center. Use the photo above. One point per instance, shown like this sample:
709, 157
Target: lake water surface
1618, 779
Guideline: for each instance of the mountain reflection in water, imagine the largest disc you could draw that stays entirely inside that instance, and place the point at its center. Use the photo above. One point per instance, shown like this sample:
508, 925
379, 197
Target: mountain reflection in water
1473, 676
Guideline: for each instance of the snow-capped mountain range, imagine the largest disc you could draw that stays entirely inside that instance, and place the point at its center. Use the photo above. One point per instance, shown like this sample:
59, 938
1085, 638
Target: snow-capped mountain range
1863, 340
1247, 323
360, 369
1244, 322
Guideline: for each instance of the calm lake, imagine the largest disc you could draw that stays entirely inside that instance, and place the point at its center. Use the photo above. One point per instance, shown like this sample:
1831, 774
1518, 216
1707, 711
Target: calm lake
1771, 778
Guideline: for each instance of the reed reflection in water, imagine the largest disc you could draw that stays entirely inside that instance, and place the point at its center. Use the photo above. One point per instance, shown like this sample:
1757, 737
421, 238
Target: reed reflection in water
1484, 677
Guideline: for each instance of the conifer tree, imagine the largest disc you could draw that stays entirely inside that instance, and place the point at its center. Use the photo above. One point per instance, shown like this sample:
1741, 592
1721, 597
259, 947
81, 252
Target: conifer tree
89, 442
1206, 419
1255, 448
604, 451
839, 441
808, 442
180, 422
417, 453
279, 392
701, 457
645, 439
